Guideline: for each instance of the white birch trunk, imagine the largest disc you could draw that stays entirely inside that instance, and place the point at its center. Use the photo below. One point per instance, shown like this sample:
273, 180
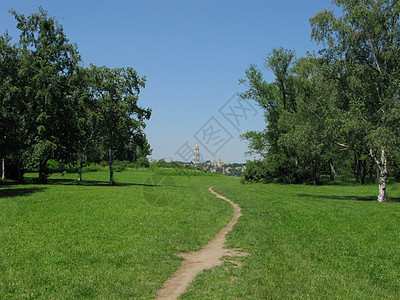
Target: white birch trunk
333, 172
382, 168
3, 169
80, 170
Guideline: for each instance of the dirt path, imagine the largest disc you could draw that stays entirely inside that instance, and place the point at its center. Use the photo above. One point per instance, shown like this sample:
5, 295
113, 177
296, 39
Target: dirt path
206, 258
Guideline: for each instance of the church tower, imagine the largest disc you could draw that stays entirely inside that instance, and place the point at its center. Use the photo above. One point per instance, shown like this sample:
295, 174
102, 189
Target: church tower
196, 155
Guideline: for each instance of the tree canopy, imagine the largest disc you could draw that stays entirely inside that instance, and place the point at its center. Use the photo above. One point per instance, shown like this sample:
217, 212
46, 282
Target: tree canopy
54, 108
338, 109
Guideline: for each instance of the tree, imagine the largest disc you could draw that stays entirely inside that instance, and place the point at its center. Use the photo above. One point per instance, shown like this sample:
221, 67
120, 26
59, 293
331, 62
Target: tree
138, 147
52, 108
87, 118
362, 60
117, 93
272, 98
13, 109
46, 76
290, 106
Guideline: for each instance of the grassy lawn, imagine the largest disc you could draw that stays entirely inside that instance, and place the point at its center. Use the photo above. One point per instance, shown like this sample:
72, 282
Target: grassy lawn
73, 241
78, 241
309, 242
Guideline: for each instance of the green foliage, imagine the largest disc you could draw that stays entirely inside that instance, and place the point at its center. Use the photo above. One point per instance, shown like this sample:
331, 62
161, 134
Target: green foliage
120, 166
172, 165
295, 144
116, 92
361, 58
160, 163
46, 75
95, 167
56, 167
338, 111
167, 171
256, 171
54, 109
142, 162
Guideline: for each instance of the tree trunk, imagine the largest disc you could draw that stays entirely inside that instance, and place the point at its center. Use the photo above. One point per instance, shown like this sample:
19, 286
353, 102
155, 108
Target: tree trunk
110, 163
357, 168
43, 172
3, 169
80, 170
333, 172
20, 173
382, 168
363, 171
371, 170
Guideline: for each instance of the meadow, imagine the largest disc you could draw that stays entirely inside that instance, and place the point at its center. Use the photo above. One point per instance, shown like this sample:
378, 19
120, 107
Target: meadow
309, 242
76, 241
69, 240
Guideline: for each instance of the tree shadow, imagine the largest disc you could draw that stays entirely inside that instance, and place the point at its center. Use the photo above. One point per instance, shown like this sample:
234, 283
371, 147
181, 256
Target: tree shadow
7, 192
348, 198
92, 183
67, 181
335, 197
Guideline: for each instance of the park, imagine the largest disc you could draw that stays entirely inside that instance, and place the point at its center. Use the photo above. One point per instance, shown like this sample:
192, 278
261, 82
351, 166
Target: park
91, 208
76, 240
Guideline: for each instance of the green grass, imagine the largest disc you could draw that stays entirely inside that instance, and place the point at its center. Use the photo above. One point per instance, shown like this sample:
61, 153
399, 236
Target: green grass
77, 241
309, 242
89, 240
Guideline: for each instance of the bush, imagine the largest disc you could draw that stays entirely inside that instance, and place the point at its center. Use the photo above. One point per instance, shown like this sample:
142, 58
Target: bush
142, 162
93, 167
55, 166
180, 171
256, 171
120, 166
160, 164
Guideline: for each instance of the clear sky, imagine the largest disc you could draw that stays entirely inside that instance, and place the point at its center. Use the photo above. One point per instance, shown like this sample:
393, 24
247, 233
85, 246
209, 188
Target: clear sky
192, 53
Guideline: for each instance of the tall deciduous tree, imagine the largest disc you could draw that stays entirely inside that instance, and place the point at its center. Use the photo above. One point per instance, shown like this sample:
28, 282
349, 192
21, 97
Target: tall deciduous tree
362, 59
47, 72
13, 108
273, 98
120, 117
87, 118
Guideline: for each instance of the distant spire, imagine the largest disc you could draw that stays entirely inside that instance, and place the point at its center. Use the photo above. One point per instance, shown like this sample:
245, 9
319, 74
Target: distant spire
196, 155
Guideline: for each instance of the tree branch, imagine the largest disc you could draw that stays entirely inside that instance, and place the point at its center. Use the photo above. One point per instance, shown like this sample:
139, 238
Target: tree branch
373, 52
373, 156
345, 147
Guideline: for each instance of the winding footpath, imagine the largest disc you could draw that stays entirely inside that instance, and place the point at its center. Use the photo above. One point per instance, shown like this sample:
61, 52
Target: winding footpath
206, 258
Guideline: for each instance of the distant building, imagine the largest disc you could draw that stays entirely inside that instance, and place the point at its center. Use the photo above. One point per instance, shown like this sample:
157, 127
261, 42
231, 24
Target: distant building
218, 163
196, 155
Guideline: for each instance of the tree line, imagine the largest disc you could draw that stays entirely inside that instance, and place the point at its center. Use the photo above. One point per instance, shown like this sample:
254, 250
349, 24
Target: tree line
337, 111
54, 108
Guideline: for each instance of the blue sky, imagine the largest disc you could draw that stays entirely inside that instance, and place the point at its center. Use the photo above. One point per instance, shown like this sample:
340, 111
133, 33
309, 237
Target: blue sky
192, 53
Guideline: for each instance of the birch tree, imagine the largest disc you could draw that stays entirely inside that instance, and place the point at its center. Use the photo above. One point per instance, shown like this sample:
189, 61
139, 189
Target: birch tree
362, 60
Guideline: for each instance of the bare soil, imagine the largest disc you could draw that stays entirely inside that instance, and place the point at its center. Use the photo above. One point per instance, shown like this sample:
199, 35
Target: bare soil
206, 258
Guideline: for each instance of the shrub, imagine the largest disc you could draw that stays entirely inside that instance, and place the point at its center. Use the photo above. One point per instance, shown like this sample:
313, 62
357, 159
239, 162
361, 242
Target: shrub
142, 162
93, 167
120, 166
256, 171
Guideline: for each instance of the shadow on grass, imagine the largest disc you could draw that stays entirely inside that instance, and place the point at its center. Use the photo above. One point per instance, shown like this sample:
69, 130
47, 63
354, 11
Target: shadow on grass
92, 183
71, 182
348, 198
6, 192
